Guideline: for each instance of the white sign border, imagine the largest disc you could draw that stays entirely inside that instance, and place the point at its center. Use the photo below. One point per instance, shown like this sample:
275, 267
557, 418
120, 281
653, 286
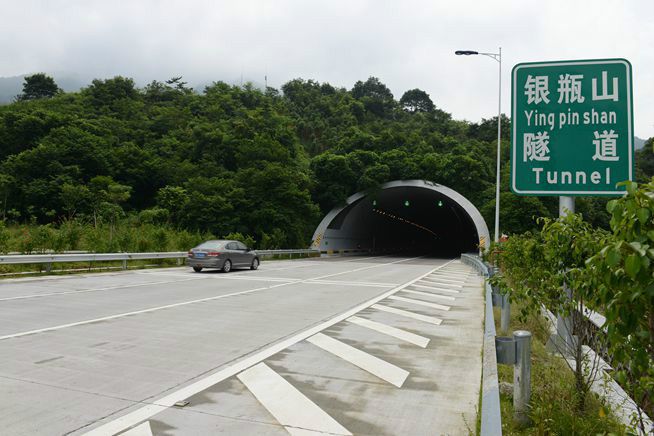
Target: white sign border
514, 128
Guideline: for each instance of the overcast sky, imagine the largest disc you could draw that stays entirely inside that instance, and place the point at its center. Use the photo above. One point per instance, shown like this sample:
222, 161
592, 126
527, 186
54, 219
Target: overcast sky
407, 44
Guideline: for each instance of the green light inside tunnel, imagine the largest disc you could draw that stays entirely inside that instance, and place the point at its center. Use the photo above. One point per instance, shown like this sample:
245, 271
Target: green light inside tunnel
440, 203
406, 203
374, 202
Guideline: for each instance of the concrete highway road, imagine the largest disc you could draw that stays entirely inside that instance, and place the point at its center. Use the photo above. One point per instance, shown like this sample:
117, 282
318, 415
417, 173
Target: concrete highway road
360, 345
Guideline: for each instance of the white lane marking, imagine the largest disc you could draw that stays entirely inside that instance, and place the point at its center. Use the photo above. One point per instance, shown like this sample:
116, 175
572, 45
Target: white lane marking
313, 263
451, 291
222, 276
364, 268
406, 313
429, 294
140, 430
374, 365
81, 291
412, 338
457, 271
256, 278
304, 265
136, 312
455, 282
419, 302
287, 404
161, 404
452, 276
184, 303
336, 282
434, 282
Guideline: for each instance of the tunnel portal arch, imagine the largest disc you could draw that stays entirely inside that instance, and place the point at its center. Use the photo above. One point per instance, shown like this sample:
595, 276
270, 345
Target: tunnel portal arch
404, 214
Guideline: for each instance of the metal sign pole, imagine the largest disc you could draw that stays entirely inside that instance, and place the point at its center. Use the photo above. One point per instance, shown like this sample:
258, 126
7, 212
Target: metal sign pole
564, 324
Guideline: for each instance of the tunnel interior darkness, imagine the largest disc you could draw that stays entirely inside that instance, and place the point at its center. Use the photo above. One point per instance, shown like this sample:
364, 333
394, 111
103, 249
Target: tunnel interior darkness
404, 218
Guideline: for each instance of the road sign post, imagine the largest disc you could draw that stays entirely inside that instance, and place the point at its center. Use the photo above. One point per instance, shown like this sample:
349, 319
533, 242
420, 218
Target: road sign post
572, 135
572, 127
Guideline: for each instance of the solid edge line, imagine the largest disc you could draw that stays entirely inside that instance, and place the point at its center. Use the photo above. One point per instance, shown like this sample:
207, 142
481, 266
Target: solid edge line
143, 429
146, 412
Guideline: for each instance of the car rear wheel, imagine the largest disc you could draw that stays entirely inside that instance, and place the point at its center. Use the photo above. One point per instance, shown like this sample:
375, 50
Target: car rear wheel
227, 266
255, 263
197, 268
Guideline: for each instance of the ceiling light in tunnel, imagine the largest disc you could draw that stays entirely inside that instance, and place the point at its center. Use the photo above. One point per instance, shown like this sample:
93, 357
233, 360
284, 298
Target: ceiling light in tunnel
440, 203
406, 203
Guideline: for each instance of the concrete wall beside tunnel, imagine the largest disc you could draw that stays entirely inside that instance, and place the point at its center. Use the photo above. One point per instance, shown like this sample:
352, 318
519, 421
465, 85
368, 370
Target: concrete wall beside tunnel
412, 215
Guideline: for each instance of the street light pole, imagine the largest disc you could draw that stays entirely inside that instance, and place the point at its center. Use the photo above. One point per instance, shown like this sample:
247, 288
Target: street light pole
497, 57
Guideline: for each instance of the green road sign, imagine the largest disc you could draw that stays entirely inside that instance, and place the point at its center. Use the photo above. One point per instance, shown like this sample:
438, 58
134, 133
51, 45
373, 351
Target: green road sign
572, 127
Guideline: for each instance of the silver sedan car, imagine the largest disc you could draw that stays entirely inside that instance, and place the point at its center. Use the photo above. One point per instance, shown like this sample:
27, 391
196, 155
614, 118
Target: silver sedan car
223, 255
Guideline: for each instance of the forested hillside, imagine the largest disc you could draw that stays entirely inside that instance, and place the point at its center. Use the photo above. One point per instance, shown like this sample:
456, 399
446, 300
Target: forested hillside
237, 159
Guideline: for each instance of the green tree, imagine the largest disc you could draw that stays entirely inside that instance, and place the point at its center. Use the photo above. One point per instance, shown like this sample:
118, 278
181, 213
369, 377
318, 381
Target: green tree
417, 100
376, 96
620, 277
75, 198
173, 199
38, 86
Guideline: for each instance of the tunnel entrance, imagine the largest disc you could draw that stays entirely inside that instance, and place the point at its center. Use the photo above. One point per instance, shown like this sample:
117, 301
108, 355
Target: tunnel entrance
407, 215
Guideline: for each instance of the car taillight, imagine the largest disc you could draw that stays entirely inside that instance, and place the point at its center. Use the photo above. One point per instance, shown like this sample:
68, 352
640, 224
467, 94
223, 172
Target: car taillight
213, 253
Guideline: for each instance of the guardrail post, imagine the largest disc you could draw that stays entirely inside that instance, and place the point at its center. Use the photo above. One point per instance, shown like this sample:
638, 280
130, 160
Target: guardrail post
522, 375
124, 264
179, 261
48, 267
505, 314
516, 351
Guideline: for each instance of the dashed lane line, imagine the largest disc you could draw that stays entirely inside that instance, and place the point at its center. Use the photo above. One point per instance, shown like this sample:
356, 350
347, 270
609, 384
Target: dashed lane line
407, 314
297, 413
201, 276
374, 365
184, 303
288, 279
429, 294
159, 405
419, 302
313, 263
412, 338
82, 291
336, 282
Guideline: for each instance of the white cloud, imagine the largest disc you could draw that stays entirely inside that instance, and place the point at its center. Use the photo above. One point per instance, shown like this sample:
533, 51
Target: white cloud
407, 44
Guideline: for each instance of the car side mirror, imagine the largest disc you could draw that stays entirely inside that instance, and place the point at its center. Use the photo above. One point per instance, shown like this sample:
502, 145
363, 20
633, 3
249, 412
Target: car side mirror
248, 249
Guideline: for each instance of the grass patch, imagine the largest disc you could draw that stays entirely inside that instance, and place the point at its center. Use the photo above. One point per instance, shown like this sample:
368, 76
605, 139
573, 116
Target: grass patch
553, 392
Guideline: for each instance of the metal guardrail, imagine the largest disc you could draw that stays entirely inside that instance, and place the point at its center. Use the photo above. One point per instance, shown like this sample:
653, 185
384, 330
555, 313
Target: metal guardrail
49, 259
491, 418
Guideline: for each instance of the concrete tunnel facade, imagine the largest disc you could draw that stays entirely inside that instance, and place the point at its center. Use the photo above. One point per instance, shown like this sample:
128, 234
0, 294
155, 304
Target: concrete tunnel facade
409, 215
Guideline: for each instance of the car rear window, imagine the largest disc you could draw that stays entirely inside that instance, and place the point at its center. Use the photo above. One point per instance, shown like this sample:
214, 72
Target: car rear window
210, 245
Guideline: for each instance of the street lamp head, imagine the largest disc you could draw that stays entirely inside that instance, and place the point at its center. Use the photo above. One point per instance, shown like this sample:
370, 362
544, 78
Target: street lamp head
465, 52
